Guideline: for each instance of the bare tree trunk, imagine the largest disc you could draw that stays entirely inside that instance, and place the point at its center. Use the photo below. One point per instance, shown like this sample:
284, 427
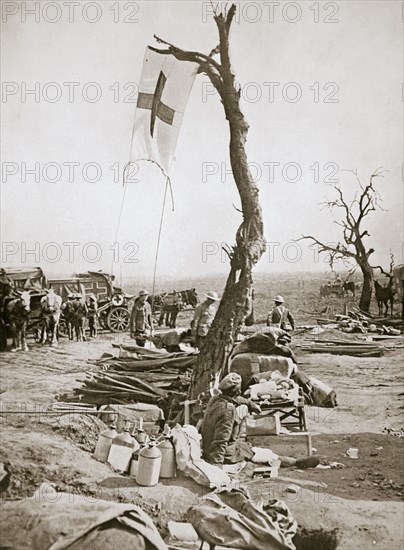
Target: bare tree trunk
250, 243
362, 259
353, 245
367, 288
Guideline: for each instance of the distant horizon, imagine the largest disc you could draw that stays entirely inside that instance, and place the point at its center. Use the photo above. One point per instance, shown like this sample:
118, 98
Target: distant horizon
171, 277
64, 273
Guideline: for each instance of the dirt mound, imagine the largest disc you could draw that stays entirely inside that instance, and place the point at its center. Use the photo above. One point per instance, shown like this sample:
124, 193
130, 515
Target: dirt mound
27, 474
81, 429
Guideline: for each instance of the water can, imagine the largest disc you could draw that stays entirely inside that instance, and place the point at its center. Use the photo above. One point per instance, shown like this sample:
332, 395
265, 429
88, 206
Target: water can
168, 468
134, 464
140, 435
121, 451
149, 465
104, 443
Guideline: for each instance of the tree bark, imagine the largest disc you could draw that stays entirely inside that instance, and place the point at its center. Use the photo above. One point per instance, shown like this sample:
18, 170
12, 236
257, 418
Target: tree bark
250, 242
367, 288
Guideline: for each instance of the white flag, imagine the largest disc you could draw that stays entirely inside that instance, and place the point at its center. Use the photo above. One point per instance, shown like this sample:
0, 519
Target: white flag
164, 89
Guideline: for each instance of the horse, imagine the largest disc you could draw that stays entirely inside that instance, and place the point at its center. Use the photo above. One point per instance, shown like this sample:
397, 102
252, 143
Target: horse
189, 297
349, 286
172, 304
384, 296
17, 311
329, 289
50, 314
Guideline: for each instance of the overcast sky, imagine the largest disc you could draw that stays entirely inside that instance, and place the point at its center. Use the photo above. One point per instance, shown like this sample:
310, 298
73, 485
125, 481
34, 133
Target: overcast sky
321, 87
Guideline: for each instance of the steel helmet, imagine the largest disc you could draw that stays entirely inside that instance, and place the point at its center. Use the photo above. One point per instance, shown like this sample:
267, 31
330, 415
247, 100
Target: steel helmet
279, 299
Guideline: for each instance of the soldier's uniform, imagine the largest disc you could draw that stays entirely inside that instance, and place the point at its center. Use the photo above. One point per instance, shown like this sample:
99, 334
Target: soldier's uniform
203, 318
92, 317
140, 320
220, 431
281, 317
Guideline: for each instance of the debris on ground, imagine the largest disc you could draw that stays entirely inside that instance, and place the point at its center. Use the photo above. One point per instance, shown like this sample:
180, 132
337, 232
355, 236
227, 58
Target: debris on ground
341, 347
137, 374
65, 520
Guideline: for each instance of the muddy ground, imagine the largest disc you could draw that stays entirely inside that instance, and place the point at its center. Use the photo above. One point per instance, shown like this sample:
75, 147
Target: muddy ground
363, 501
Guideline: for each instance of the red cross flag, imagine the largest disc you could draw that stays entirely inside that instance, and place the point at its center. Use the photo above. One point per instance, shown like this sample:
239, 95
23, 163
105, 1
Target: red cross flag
164, 89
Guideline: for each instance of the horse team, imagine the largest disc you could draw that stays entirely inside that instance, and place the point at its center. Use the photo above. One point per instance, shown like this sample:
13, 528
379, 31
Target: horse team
16, 310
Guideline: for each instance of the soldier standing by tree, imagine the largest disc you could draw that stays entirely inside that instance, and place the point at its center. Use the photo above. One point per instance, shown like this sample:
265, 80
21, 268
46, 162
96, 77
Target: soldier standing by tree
203, 318
141, 319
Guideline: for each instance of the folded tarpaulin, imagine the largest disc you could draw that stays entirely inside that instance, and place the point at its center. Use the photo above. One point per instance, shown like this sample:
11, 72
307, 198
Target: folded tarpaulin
57, 521
230, 519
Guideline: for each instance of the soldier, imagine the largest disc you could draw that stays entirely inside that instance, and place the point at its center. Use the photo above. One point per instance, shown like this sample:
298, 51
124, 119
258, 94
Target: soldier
6, 286
79, 314
203, 318
141, 319
92, 315
280, 316
220, 430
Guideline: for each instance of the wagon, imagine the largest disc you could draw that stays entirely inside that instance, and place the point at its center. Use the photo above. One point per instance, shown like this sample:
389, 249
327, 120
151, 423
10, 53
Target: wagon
34, 280
113, 303
335, 289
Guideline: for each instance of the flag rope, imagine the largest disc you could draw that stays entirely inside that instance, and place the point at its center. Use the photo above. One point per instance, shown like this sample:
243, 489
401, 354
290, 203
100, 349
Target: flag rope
125, 186
168, 184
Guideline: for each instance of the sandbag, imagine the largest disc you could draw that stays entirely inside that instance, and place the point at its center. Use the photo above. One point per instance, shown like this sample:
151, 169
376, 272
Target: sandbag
322, 395
230, 519
249, 364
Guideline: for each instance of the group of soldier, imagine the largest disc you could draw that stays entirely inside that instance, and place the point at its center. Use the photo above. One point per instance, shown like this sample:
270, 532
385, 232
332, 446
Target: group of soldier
141, 321
76, 311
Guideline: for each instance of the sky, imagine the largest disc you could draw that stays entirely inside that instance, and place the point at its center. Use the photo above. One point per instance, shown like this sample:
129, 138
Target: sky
321, 88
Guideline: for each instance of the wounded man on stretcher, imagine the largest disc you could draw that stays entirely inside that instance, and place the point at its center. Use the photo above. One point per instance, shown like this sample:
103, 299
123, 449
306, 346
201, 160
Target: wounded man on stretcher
221, 425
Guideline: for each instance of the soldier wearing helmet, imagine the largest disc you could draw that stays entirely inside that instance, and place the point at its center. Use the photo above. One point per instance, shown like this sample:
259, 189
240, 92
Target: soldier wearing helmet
203, 318
141, 318
280, 316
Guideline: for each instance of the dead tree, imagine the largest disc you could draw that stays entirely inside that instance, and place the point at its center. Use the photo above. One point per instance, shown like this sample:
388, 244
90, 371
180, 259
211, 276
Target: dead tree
352, 245
250, 242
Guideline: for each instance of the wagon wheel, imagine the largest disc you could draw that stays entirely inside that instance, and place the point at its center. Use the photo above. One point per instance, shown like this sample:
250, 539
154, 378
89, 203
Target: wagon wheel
118, 319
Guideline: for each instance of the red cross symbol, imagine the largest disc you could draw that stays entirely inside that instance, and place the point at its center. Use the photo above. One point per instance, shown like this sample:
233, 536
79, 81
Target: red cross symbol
154, 103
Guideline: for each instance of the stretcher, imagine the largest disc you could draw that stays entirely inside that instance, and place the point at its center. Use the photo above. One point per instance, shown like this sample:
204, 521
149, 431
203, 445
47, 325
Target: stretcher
292, 413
